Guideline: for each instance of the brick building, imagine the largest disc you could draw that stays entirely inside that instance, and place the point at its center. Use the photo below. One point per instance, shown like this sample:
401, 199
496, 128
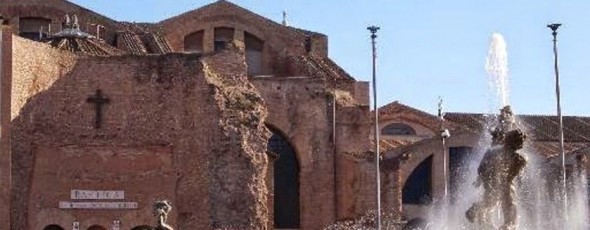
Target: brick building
239, 121
414, 155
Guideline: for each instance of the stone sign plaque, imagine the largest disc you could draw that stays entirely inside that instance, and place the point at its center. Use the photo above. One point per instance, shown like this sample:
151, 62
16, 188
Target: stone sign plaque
97, 195
97, 205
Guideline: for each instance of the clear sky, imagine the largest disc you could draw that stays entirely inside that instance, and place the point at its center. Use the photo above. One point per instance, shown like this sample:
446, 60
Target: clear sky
431, 48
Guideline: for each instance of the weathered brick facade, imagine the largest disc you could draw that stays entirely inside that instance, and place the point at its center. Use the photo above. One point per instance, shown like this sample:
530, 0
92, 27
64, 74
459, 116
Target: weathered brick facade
191, 128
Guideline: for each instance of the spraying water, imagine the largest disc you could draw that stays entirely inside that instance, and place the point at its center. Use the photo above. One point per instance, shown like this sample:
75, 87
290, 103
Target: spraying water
537, 201
497, 69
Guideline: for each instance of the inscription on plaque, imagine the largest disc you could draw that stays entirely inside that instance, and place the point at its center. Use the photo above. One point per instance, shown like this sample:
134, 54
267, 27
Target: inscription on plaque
116, 197
97, 195
97, 205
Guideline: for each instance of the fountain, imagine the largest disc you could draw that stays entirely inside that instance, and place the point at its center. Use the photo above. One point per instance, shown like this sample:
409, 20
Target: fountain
507, 185
497, 171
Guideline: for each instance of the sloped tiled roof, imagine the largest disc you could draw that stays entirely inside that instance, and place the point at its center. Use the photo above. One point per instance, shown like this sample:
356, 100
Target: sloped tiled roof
131, 43
396, 109
539, 127
90, 46
315, 66
156, 43
142, 38
550, 149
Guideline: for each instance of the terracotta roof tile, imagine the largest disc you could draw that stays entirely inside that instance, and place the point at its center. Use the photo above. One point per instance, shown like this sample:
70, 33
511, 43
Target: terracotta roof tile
396, 108
90, 46
539, 127
131, 43
142, 38
314, 66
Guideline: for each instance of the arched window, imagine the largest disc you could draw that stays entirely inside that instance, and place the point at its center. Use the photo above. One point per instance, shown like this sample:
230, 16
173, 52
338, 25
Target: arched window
194, 42
398, 129
143, 227
254, 46
97, 227
34, 28
222, 36
53, 227
286, 182
417, 189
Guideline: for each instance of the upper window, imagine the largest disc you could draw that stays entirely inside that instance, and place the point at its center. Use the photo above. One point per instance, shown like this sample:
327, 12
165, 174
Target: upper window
34, 28
194, 42
254, 46
398, 129
223, 35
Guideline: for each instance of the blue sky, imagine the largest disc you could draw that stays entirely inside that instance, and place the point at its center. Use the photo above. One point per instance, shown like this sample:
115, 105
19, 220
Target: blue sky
428, 49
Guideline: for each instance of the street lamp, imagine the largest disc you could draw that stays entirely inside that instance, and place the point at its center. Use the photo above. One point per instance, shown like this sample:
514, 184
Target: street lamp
373, 30
444, 134
554, 28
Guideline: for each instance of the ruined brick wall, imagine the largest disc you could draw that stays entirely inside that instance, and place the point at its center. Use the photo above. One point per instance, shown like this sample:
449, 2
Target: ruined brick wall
201, 113
355, 181
238, 164
36, 67
299, 110
5, 154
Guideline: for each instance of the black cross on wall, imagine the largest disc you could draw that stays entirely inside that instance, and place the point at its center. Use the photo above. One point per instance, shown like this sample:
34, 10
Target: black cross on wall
98, 101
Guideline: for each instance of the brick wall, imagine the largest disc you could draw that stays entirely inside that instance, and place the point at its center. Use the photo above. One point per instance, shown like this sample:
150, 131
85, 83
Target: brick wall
5, 95
194, 106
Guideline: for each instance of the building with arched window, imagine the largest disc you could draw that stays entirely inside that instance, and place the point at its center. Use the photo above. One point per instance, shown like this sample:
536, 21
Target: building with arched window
239, 121
414, 157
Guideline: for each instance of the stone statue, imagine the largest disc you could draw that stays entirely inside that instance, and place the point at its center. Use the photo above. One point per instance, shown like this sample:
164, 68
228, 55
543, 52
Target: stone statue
66, 24
161, 210
497, 171
76, 23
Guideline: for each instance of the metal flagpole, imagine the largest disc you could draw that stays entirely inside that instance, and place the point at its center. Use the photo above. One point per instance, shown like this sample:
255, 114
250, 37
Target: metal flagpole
554, 28
374, 30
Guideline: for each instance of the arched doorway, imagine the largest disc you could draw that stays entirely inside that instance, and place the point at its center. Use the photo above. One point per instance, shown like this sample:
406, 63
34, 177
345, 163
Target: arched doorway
285, 182
53, 227
417, 189
143, 227
97, 227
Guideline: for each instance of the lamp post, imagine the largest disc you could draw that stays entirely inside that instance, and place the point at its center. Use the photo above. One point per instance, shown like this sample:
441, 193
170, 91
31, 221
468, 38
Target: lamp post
373, 30
554, 28
444, 134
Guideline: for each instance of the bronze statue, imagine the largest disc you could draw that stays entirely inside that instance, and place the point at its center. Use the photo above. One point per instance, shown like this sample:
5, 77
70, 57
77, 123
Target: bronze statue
161, 210
497, 171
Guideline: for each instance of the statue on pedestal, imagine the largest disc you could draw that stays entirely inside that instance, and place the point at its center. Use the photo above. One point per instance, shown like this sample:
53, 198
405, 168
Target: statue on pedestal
161, 210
